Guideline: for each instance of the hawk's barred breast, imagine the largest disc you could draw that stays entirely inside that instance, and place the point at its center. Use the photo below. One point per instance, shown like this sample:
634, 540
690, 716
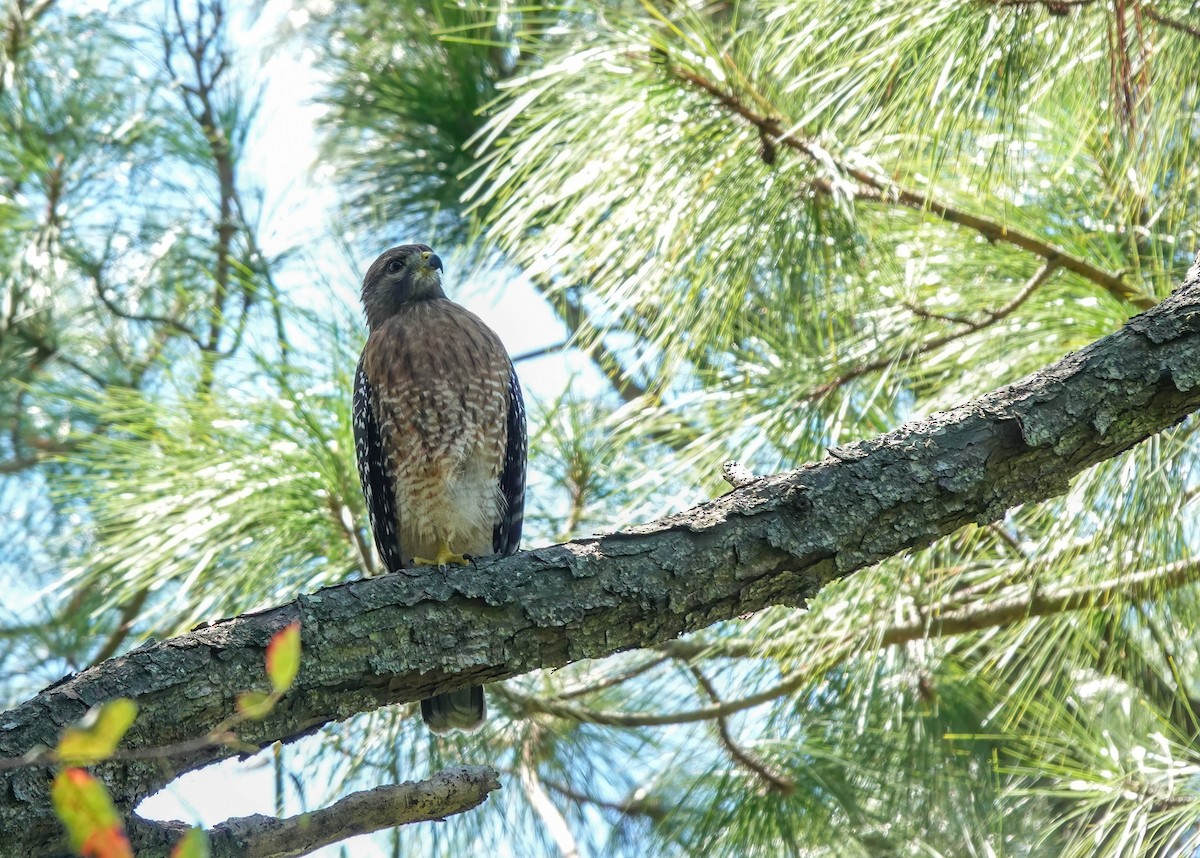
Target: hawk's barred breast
441, 396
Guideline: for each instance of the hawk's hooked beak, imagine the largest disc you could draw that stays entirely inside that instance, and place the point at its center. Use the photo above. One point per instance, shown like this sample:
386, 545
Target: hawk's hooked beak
432, 260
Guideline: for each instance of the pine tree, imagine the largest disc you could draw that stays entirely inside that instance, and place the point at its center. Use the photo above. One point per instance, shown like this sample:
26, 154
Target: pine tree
774, 229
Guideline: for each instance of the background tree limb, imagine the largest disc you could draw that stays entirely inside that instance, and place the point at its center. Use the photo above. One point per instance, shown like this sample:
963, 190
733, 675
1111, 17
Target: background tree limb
444, 794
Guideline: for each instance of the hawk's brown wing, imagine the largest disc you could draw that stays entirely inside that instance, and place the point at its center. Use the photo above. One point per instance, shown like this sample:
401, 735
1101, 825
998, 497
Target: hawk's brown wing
373, 473
506, 538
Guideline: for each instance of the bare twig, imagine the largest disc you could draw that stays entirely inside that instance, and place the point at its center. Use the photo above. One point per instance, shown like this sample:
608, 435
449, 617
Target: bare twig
43, 448
648, 808
533, 354
218, 737
1171, 23
199, 100
1053, 4
637, 670
95, 272
924, 313
20, 463
581, 328
342, 518
740, 755
129, 613
222, 735
52, 352
969, 327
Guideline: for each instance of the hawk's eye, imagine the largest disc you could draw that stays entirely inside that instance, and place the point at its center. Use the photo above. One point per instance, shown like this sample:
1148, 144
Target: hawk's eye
395, 265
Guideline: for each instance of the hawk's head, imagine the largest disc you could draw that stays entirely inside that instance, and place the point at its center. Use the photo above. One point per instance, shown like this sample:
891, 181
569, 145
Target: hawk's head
401, 275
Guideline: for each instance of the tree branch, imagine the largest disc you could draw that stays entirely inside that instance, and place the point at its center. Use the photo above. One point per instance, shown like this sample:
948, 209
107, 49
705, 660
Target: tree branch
1171, 23
445, 794
933, 623
635, 806
586, 688
969, 327
771, 780
534, 354
777, 541
882, 189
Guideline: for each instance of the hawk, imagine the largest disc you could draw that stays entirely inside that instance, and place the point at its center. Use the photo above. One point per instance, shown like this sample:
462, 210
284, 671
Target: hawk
439, 431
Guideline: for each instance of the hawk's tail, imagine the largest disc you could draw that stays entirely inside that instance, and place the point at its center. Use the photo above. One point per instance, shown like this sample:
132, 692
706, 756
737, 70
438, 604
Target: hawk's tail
465, 709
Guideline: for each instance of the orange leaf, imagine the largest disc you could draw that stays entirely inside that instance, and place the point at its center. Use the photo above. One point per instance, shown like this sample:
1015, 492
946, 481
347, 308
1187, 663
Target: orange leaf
93, 824
283, 657
107, 843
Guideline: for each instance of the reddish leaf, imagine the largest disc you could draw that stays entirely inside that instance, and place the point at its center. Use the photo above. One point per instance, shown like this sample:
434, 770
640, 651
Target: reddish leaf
193, 845
93, 824
98, 735
283, 658
107, 843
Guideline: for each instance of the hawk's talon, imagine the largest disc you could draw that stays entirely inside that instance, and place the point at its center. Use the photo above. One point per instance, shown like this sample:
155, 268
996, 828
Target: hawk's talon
445, 557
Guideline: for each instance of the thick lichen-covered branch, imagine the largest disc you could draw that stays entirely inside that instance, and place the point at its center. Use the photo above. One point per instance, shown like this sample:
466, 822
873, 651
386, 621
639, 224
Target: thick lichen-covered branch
776, 541
444, 794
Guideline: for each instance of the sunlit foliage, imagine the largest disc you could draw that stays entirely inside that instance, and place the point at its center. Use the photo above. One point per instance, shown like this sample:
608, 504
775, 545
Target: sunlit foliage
774, 228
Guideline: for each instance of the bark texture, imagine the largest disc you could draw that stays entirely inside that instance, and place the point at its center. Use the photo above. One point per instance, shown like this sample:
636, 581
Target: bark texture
776, 541
446, 793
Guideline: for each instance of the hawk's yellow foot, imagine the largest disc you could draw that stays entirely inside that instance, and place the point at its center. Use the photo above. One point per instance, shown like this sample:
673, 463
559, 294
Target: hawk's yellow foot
444, 558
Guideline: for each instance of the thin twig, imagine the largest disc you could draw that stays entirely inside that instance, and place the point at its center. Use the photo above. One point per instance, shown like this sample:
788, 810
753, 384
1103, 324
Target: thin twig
343, 518
740, 755
1049, 3
969, 327
1171, 23
629, 807
1008, 539
542, 352
615, 679
95, 273
42, 449
199, 102
53, 352
46, 757
920, 311
129, 614
581, 328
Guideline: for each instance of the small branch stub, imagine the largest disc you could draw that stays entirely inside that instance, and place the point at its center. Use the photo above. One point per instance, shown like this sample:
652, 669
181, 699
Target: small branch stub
737, 474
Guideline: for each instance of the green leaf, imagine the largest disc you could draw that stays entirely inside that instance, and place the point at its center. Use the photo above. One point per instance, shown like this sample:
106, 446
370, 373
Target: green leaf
193, 845
256, 705
93, 824
283, 658
97, 736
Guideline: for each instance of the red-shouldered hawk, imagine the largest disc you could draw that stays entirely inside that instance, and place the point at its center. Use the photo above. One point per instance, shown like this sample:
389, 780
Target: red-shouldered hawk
439, 430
